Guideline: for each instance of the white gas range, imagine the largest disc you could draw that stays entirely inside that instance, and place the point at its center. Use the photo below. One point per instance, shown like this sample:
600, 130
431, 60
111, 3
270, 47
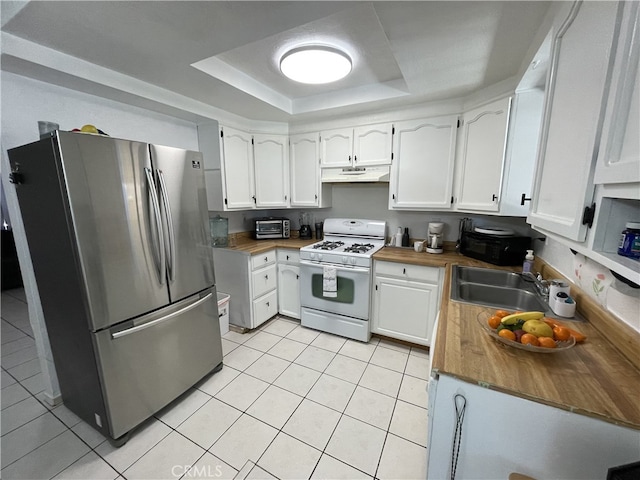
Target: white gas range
335, 276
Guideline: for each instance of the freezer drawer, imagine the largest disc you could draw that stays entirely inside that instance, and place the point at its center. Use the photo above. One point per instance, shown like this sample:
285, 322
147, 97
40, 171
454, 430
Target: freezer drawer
150, 361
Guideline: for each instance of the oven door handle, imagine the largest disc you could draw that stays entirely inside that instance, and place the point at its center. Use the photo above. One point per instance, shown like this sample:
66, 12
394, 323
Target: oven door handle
344, 268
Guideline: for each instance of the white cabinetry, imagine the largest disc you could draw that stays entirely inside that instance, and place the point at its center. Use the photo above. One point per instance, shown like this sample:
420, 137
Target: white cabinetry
289, 282
582, 41
482, 156
406, 301
271, 169
571, 445
423, 165
237, 169
252, 283
304, 158
356, 147
619, 155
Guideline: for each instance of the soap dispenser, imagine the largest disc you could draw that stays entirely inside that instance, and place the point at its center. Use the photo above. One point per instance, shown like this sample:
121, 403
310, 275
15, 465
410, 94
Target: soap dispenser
528, 262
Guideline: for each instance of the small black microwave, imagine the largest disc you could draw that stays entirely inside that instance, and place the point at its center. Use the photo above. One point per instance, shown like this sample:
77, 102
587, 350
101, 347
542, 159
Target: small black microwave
495, 249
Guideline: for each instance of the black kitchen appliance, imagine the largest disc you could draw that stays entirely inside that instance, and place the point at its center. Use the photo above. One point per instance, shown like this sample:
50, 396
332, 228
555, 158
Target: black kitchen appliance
305, 226
495, 249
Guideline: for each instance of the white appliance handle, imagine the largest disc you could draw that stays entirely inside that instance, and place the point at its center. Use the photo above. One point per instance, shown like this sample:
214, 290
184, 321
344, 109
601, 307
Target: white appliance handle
137, 328
338, 267
156, 211
172, 237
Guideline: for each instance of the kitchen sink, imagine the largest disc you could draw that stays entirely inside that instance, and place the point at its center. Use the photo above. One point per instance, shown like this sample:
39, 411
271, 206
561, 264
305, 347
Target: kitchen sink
495, 288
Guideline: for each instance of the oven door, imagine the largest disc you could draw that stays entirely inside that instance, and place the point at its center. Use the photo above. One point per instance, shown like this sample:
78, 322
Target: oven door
353, 287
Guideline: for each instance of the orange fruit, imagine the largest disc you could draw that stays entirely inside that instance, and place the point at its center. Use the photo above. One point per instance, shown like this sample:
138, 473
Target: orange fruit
494, 321
529, 339
561, 334
501, 313
508, 334
547, 342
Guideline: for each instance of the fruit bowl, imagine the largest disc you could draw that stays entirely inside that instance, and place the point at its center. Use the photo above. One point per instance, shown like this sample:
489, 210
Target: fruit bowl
483, 318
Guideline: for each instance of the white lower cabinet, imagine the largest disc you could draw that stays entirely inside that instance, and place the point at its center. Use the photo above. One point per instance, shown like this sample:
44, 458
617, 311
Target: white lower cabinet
406, 301
252, 282
559, 443
289, 282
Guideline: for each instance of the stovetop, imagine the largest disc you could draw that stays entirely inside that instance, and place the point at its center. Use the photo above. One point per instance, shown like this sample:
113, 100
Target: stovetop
345, 247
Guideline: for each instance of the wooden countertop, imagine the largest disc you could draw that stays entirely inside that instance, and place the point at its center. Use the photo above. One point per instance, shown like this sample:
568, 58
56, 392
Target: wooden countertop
593, 378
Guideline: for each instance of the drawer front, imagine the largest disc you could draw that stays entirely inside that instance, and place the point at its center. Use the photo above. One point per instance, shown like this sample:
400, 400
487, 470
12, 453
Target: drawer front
264, 308
288, 256
264, 280
263, 259
408, 271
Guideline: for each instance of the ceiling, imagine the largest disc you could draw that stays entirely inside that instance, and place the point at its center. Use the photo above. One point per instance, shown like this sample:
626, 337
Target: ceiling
225, 54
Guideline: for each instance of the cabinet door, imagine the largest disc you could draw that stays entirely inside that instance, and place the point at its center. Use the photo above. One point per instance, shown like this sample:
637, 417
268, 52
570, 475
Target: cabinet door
580, 57
484, 139
619, 156
336, 147
305, 170
422, 169
372, 145
237, 165
405, 309
271, 167
289, 290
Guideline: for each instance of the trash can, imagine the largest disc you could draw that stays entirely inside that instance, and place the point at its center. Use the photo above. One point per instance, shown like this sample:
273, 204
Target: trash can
223, 312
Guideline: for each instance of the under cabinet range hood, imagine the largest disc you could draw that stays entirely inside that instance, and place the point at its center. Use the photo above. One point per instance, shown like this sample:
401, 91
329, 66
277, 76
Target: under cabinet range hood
356, 174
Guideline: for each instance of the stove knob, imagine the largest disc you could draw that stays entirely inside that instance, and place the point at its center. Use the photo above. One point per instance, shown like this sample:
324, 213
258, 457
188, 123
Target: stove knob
319, 256
313, 256
353, 260
344, 259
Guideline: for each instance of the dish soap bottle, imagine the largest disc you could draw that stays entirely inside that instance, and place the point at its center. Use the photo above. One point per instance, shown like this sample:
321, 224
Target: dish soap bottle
527, 265
399, 237
405, 237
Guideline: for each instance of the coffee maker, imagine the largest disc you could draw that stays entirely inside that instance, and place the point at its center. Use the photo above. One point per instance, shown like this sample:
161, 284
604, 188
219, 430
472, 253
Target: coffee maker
434, 237
305, 226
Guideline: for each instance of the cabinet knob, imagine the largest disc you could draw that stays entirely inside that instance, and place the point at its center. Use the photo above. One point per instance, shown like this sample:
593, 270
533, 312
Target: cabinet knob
494, 197
266, 277
349, 157
524, 198
266, 259
297, 277
267, 304
404, 271
287, 257
355, 158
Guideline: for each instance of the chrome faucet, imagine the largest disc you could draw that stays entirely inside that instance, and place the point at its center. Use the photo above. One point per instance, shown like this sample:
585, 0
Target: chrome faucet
542, 286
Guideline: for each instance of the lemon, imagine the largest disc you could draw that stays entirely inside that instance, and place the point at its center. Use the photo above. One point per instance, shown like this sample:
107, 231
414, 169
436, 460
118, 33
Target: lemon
89, 129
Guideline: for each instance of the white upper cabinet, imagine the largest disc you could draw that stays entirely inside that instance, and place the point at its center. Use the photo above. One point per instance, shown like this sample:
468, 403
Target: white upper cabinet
482, 156
582, 40
271, 168
304, 159
237, 169
356, 147
619, 155
422, 169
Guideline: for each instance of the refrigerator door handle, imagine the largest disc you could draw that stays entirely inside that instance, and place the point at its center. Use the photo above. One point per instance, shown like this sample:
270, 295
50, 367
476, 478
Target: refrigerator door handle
170, 230
152, 323
156, 211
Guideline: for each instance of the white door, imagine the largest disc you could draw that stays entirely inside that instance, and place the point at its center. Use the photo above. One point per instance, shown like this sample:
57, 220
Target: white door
305, 170
619, 156
271, 167
422, 169
336, 147
484, 139
372, 145
289, 290
237, 166
580, 58
404, 309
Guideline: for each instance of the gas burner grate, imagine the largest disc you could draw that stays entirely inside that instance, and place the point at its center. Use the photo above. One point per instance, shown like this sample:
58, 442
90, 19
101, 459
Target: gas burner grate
327, 245
359, 248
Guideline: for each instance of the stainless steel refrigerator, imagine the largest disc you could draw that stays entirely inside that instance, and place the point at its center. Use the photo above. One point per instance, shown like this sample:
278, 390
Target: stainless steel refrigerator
118, 235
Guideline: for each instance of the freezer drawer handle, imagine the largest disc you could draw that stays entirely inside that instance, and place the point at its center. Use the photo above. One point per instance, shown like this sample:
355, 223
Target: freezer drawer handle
137, 328
172, 237
156, 211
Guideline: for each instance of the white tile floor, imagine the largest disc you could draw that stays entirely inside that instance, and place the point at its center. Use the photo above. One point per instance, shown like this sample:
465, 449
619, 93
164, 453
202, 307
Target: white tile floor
290, 402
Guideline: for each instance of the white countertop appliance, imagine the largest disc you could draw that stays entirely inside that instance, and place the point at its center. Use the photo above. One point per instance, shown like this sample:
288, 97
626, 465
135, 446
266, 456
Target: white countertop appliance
335, 277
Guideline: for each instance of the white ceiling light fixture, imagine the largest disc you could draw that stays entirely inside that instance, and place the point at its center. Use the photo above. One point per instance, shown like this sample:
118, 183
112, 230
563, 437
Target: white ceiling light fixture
315, 64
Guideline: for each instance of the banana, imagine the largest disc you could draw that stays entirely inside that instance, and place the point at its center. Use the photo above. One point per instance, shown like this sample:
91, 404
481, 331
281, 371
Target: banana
514, 317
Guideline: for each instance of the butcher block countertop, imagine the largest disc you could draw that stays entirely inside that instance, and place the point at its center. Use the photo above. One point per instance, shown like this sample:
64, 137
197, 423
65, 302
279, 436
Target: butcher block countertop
593, 378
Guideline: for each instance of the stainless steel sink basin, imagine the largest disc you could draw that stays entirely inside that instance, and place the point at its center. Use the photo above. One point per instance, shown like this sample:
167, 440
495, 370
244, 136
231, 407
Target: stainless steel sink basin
494, 288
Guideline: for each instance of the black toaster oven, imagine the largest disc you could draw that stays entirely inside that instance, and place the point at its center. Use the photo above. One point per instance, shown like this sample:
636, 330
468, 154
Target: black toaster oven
495, 249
